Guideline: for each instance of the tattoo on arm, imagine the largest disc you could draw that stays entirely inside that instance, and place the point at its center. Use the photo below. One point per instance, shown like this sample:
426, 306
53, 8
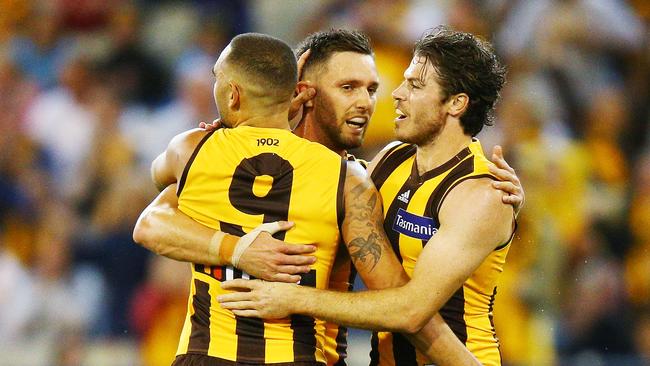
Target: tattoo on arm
365, 249
363, 225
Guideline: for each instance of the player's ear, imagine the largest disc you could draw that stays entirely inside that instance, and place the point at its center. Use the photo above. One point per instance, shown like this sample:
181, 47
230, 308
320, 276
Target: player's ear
234, 96
302, 86
458, 104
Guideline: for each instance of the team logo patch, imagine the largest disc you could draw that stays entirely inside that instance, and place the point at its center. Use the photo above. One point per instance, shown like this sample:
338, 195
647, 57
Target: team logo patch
415, 226
404, 197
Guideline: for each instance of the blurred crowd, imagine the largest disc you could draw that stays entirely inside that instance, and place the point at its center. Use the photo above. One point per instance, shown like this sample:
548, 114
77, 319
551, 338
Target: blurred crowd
91, 91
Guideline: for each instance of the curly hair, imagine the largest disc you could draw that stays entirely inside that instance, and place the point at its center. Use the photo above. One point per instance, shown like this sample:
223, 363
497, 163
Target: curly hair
467, 64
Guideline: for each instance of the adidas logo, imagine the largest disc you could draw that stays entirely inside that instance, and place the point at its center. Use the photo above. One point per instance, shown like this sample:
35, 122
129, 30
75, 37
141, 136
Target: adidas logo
404, 197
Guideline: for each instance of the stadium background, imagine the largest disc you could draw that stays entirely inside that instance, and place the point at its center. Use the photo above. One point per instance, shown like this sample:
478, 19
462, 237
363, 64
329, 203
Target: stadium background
91, 91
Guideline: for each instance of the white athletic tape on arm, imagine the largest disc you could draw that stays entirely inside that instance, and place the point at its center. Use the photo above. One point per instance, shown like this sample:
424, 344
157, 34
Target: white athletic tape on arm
215, 243
247, 240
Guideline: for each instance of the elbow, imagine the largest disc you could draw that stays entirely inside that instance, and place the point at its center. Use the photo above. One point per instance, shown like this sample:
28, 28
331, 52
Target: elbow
142, 232
407, 318
413, 312
412, 321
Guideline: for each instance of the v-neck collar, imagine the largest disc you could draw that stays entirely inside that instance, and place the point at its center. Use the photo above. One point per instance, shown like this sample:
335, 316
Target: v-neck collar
439, 169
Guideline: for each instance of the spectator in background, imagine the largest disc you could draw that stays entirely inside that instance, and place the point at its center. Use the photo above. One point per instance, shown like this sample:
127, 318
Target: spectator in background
23, 178
581, 45
122, 262
55, 304
606, 119
16, 298
138, 75
63, 123
596, 323
549, 228
208, 42
111, 154
193, 102
158, 309
45, 49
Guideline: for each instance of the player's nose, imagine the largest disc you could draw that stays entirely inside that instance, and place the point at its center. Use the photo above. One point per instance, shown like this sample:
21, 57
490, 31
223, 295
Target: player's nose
364, 100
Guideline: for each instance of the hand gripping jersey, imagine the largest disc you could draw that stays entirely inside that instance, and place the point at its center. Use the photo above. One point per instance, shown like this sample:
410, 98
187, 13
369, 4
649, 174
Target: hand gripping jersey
411, 206
235, 180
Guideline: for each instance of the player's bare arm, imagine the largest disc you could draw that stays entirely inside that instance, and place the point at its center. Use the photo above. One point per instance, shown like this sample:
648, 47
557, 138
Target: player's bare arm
473, 222
370, 250
165, 230
363, 233
369, 247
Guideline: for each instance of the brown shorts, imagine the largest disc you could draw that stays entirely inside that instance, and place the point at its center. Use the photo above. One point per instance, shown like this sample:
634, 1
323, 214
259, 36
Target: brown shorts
193, 359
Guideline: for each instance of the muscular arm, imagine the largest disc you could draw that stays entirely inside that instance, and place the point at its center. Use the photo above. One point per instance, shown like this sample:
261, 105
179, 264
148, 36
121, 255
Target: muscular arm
161, 227
363, 232
447, 260
376, 263
370, 250
165, 230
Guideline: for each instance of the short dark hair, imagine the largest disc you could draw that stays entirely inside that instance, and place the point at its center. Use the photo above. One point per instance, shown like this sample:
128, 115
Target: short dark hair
326, 43
467, 64
268, 60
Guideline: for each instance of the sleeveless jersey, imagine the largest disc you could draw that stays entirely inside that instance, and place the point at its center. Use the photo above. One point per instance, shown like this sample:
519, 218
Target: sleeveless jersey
412, 204
341, 279
235, 180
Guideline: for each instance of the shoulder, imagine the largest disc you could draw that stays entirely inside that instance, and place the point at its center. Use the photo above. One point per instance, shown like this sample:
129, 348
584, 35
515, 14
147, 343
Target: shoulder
477, 193
355, 169
383, 154
186, 142
357, 179
182, 146
362, 162
475, 202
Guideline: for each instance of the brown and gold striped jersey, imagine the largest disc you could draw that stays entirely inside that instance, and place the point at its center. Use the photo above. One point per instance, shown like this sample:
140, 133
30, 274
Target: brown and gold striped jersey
237, 179
411, 204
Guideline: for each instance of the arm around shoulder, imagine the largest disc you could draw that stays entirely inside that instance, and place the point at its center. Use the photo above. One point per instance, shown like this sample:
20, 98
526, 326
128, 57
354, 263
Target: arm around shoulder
165, 230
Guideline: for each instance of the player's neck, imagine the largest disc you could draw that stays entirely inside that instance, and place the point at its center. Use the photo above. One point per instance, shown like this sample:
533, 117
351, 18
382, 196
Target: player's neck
308, 129
266, 120
445, 146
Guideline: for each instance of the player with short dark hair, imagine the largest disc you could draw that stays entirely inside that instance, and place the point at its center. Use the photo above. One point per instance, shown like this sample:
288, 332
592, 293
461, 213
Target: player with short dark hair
242, 180
346, 81
264, 63
446, 223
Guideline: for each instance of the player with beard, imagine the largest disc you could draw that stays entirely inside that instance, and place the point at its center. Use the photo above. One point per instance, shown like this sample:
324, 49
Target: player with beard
447, 224
340, 66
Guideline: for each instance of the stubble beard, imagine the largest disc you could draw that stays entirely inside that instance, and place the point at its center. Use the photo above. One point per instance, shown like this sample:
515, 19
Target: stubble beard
425, 135
324, 114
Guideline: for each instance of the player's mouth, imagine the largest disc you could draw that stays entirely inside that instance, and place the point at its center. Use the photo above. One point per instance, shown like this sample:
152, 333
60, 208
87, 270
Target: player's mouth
357, 124
400, 115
